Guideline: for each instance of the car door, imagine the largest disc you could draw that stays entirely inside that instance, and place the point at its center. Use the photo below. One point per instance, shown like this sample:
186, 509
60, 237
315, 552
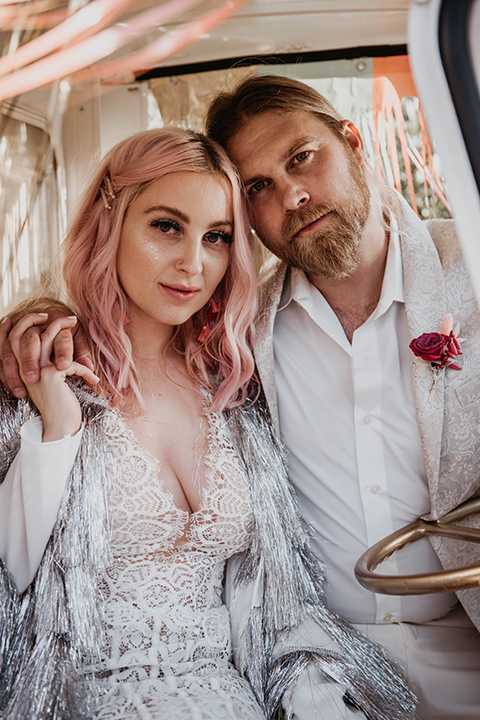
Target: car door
445, 58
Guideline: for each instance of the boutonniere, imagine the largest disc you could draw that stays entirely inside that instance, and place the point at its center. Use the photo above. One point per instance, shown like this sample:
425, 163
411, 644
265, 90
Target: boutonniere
440, 349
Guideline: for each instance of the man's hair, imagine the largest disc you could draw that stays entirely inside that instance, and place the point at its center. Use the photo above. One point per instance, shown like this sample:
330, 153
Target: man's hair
253, 96
229, 111
223, 363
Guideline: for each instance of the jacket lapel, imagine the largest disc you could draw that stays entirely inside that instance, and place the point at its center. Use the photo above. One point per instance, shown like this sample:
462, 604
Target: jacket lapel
270, 293
425, 306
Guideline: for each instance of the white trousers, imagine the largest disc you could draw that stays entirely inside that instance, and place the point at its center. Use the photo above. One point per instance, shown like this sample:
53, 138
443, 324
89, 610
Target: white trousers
442, 662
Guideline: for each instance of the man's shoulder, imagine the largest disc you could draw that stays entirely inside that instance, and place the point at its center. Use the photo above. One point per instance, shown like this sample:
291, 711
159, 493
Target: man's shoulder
445, 237
447, 243
270, 282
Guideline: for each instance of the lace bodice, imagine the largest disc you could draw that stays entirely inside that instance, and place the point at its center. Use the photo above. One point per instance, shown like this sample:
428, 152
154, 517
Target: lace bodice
168, 633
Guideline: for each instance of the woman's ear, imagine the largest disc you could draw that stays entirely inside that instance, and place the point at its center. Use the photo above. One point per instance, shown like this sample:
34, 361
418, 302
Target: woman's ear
354, 139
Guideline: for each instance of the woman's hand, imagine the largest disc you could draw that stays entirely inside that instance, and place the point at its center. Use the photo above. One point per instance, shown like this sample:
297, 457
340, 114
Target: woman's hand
69, 344
57, 404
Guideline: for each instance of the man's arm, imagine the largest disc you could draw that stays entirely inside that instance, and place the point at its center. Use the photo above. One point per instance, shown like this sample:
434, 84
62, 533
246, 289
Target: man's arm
69, 344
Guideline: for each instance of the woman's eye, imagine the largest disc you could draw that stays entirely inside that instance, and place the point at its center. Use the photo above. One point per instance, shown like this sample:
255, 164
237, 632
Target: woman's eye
166, 226
218, 236
257, 187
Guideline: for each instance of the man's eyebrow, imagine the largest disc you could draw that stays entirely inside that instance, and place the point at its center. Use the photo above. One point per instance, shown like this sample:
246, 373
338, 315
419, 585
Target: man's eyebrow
293, 148
169, 210
283, 158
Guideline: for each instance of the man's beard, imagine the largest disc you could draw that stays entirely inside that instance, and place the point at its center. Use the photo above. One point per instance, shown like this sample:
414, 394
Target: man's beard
334, 250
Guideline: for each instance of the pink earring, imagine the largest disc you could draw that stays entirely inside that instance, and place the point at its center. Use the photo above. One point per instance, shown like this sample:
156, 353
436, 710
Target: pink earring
212, 316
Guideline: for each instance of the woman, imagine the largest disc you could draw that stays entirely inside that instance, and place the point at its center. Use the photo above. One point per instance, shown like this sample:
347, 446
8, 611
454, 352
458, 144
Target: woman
121, 616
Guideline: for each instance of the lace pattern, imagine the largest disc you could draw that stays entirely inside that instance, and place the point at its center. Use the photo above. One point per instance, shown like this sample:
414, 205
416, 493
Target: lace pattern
168, 642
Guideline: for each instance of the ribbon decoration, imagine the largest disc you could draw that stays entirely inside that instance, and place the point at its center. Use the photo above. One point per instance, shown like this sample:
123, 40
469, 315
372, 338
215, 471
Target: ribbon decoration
91, 38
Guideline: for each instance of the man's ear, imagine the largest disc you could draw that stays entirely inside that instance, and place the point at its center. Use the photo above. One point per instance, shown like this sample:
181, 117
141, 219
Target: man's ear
354, 139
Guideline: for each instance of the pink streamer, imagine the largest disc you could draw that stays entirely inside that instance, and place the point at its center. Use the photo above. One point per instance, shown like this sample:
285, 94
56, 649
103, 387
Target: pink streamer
89, 51
135, 64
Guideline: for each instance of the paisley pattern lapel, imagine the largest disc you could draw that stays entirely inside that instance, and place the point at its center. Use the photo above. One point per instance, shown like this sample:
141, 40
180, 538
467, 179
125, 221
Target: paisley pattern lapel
425, 306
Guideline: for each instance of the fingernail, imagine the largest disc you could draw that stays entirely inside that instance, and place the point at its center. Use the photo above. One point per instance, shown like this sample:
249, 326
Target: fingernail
71, 317
43, 314
5, 319
19, 392
31, 376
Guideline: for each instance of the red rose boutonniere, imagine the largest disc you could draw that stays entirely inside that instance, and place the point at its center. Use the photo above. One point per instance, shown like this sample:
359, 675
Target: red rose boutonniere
439, 349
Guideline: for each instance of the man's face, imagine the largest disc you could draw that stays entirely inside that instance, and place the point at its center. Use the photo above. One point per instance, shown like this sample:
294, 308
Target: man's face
307, 194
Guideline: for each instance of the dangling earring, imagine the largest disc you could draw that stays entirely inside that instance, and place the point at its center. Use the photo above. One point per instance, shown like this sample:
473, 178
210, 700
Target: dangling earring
212, 316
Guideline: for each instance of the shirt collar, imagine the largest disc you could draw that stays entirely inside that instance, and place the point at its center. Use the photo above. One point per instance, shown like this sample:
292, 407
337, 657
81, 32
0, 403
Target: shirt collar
392, 286
297, 286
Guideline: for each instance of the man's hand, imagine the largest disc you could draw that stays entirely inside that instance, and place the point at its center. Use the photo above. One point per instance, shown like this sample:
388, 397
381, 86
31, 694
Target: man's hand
69, 345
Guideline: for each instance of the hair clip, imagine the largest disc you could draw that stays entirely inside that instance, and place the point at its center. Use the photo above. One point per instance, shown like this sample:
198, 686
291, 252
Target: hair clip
107, 192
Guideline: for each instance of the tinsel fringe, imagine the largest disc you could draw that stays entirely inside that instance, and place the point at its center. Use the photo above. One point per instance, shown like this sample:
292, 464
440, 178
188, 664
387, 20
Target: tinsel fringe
57, 622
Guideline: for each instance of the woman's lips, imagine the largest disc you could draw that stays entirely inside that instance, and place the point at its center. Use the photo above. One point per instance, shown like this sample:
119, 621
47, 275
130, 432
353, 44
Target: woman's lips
180, 293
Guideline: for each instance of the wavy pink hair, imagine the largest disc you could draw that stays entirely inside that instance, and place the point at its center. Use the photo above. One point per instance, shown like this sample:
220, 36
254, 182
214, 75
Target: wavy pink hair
223, 364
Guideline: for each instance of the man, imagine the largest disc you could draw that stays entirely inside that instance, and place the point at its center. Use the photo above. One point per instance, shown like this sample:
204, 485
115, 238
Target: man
376, 436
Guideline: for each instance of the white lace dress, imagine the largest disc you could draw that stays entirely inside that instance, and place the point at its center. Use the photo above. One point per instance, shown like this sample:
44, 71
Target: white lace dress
168, 643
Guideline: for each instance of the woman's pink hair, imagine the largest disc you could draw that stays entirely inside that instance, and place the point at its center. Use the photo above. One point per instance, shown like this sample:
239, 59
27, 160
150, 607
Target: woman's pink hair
223, 363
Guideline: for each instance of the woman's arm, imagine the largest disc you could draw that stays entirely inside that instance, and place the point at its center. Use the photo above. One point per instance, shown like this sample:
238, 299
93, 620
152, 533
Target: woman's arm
30, 498
31, 494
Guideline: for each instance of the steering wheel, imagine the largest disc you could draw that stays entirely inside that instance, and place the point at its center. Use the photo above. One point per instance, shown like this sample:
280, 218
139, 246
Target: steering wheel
444, 581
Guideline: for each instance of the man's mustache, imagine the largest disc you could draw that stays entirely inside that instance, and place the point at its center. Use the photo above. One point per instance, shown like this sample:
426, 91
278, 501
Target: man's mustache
294, 223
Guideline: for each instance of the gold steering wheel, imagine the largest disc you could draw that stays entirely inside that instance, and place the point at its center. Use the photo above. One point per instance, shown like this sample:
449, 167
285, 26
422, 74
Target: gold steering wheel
448, 580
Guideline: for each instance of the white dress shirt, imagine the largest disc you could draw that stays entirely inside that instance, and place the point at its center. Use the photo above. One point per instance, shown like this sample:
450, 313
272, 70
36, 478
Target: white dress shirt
348, 420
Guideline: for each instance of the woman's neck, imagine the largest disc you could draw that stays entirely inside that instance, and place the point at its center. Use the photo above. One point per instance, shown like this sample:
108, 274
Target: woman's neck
150, 342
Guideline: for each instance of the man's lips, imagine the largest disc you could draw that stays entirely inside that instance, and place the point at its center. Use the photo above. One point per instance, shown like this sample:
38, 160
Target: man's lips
311, 227
181, 292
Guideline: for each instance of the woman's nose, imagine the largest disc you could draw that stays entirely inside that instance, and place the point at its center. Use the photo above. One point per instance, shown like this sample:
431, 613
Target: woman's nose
190, 259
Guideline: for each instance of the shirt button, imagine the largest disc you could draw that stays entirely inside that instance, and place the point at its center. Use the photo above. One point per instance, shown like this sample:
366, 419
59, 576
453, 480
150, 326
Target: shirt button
387, 617
367, 420
375, 489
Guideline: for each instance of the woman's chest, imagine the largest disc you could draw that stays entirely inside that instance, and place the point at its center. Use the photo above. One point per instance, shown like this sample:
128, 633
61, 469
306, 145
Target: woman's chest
145, 516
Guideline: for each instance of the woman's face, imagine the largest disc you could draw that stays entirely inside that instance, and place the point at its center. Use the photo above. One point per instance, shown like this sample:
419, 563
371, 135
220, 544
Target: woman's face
174, 246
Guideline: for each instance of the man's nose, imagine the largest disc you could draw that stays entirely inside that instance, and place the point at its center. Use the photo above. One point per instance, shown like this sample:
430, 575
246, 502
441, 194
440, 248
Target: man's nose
294, 196
190, 260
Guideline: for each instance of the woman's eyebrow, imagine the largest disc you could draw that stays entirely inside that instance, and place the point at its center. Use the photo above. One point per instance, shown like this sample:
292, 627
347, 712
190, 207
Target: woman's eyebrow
171, 210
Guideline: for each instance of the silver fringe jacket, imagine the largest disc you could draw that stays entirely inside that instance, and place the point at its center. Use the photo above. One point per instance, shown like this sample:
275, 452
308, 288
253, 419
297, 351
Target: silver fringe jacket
56, 625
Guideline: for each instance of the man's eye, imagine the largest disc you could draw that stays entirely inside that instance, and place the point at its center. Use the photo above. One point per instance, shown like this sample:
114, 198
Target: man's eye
218, 237
257, 187
165, 226
301, 156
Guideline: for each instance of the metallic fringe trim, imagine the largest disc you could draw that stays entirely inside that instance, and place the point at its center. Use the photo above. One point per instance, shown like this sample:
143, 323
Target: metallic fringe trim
293, 589
57, 622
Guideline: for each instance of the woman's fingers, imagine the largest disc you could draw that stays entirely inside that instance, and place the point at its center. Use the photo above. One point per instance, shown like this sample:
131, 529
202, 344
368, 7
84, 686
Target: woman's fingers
81, 349
30, 346
81, 371
58, 335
